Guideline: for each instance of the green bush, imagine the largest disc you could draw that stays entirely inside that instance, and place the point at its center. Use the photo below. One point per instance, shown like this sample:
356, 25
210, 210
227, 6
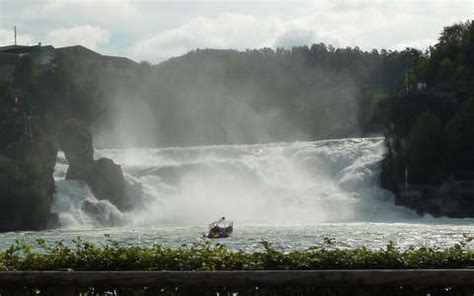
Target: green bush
209, 256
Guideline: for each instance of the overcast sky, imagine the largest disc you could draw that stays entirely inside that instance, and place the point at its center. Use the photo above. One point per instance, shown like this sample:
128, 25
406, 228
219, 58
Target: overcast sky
156, 30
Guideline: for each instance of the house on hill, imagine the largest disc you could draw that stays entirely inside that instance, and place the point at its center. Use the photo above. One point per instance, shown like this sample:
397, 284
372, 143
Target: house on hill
121, 64
11, 55
78, 51
112, 65
44, 57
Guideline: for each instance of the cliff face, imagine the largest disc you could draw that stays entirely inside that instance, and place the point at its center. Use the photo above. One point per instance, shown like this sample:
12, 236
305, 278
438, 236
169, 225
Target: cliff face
35, 100
449, 193
26, 177
27, 160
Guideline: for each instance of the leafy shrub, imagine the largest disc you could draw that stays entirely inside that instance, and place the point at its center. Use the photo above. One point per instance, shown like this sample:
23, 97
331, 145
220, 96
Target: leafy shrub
207, 256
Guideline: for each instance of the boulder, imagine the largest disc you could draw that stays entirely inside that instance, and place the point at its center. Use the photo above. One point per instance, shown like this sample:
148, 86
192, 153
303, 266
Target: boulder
107, 182
76, 142
104, 177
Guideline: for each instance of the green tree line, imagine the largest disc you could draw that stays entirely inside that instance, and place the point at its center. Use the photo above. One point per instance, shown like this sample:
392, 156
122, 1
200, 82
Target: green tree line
219, 96
430, 131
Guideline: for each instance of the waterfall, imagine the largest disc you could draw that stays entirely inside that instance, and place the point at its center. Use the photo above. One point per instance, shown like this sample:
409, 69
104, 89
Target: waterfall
277, 183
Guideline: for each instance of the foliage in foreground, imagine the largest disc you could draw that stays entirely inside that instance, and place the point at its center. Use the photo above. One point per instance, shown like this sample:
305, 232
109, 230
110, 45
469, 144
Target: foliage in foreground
208, 256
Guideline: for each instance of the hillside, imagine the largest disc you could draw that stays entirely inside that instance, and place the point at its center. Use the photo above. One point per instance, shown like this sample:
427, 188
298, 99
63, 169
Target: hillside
430, 131
216, 96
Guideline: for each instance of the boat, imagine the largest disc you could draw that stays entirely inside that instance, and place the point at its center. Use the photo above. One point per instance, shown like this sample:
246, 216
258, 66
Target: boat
220, 229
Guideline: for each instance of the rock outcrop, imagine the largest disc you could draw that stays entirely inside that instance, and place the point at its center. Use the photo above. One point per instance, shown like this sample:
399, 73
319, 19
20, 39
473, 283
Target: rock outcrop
26, 177
104, 177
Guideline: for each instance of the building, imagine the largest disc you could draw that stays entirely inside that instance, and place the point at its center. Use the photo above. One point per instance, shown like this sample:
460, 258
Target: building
11, 55
111, 65
44, 57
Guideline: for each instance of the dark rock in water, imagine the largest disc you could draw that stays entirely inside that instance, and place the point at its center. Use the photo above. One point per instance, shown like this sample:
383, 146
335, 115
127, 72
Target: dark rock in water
76, 142
107, 182
104, 177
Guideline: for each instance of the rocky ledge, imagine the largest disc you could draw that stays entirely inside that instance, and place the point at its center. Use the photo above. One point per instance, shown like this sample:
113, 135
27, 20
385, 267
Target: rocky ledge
104, 177
27, 162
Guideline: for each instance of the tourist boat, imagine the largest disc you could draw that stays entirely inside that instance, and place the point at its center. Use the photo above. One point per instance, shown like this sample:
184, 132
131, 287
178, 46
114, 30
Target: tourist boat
220, 229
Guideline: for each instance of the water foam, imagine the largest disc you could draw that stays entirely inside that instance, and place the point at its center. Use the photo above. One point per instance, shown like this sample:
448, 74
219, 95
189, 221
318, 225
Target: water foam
77, 205
278, 183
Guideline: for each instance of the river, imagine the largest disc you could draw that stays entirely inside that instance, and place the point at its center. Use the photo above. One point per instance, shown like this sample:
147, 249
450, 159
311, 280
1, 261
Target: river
295, 195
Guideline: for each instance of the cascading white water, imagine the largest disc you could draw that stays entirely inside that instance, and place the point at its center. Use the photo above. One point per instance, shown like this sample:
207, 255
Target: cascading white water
279, 183
77, 206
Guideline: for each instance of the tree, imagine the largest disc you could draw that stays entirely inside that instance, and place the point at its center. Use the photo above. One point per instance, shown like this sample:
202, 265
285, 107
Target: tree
425, 148
446, 69
460, 134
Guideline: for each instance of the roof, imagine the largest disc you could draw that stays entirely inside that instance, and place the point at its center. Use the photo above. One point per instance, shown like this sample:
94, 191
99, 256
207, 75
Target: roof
78, 50
18, 48
120, 60
12, 52
8, 47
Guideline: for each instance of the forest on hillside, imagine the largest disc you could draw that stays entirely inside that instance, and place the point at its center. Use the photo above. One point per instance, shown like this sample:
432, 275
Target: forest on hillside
224, 96
220, 96
430, 132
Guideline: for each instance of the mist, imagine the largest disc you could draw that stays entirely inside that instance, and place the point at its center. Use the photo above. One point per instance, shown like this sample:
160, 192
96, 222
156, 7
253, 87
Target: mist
261, 184
210, 97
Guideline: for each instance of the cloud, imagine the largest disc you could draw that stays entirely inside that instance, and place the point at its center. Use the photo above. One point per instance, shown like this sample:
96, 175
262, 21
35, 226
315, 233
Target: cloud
6, 37
417, 43
155, 30
228, 30
90, 11
382, 24
295, 37
88, 36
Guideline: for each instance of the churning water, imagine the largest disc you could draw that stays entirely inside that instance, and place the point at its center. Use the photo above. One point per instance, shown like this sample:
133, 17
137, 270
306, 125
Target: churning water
292, 194
269, 184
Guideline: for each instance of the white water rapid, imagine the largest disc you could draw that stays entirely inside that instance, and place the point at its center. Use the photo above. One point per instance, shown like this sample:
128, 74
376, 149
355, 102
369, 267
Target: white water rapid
265, 184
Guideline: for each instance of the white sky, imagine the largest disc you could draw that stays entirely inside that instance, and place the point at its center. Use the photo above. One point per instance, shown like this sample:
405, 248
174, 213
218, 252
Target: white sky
155, 30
